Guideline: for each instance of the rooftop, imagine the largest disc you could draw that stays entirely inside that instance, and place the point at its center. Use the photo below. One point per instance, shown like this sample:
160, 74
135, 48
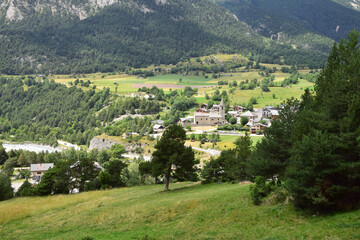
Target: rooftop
41, 167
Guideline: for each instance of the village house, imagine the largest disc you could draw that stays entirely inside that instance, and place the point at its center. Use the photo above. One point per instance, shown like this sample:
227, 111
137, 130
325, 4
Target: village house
38, 170
257, 128
188, 121
267, 111
157, 128
249, 115
239, 109
234, 114
211, 118
204, 105
202, 110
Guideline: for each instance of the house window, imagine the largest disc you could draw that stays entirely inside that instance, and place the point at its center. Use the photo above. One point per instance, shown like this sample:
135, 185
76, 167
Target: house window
38, 172
206, 119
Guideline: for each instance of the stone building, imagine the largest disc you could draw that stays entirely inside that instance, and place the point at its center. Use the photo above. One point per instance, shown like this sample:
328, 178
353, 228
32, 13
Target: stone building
215, 117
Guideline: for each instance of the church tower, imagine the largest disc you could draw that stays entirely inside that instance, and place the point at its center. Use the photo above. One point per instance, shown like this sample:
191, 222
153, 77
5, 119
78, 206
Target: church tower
222, 108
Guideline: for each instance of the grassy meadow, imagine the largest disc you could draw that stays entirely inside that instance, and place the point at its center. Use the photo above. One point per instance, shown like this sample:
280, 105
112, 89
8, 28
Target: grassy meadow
125, 84
226, 142
188, 211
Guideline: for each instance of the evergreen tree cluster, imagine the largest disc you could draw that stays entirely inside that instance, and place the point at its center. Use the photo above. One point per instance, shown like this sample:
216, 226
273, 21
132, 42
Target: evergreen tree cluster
314, 147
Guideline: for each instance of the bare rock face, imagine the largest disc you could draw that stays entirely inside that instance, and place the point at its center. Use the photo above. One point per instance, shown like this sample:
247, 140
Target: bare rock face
101, 143
16, 10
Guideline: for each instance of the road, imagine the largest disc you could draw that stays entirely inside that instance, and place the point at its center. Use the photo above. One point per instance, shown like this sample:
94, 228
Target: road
146, 158
69, 145
212, 152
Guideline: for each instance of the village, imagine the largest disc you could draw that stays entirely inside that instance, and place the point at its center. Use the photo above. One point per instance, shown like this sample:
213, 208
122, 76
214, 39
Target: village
256, 121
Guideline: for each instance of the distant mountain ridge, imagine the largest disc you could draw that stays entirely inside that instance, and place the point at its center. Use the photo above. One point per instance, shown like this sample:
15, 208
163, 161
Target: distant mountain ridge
68, 36
289, 19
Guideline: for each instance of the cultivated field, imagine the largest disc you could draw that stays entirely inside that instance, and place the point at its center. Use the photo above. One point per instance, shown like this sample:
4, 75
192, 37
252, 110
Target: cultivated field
125, 84
188, 211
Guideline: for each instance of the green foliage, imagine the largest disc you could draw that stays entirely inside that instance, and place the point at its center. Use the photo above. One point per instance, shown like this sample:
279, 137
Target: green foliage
133, 176
49, 111
6, 191
233, 120
3, 155
105, 179
115, 168
25, 190
244, 121
117, 150
313, 145
171, 158
47, 183
230, 165
260, 190
9, 165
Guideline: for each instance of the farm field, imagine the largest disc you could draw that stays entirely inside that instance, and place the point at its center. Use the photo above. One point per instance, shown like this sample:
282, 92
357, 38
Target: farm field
266, 98
125, 84
226, 142
188, 211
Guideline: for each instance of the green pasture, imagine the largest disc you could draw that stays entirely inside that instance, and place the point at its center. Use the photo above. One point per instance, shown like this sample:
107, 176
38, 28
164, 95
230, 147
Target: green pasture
226, 142
266, 98
188, 211
175, 79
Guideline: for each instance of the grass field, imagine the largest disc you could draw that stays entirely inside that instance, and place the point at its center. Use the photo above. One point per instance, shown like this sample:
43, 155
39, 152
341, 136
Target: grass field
125, 84
226, 142
188, 211
266, 98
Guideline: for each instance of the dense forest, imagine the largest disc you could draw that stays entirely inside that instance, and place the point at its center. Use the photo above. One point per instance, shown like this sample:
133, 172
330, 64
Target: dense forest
42, 110
134, 34
301, 22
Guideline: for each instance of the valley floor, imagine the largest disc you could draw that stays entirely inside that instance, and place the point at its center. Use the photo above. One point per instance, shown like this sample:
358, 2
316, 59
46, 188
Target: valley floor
188, 211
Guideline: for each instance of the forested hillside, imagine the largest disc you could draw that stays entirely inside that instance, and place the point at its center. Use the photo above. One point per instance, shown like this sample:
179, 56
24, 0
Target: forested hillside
307, 24
76, 36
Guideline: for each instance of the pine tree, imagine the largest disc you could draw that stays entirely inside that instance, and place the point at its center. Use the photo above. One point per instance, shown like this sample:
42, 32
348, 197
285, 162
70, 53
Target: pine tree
172, 159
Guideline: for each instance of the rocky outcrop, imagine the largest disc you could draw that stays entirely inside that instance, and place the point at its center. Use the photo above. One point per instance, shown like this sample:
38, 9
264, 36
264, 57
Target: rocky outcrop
16, 10
105, 143
101, 143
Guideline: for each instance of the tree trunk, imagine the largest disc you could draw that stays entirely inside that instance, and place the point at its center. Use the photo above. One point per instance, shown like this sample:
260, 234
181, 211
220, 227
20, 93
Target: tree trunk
167, 181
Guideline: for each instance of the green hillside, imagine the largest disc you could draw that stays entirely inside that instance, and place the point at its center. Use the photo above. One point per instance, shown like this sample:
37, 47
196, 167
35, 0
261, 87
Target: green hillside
189, 211
294, 21
38, 36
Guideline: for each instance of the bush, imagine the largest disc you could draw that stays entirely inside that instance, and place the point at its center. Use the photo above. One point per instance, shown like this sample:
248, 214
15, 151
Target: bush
25, 190
94, 184
6, 191
260, 190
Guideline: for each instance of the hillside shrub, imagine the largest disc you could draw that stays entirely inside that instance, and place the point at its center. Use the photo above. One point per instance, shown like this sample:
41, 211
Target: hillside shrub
6, 191
260, 190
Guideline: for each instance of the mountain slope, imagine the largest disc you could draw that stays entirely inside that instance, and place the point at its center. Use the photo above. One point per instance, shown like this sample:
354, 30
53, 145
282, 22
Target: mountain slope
108, 35
353, 4
306, 23
188, 211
